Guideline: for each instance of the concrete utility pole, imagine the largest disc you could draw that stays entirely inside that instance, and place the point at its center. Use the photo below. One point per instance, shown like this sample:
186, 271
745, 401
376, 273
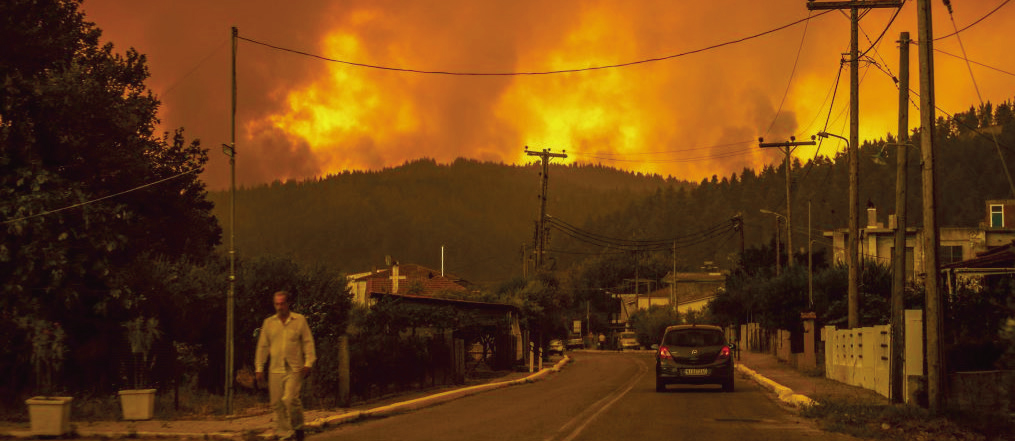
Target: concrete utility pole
544, 156
935, 360
853, 249
899, 260
787, 149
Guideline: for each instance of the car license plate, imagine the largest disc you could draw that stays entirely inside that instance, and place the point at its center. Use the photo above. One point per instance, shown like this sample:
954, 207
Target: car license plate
695, 372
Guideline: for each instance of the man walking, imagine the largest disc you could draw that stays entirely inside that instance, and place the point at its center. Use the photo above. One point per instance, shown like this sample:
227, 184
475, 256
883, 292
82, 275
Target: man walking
286, 340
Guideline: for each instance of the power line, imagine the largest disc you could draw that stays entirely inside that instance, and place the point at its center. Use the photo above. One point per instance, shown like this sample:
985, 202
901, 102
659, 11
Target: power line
661, 152
640, 245
1005, 2
179, 80
974, 62
44, 213
530, 73
792, 72
969, 67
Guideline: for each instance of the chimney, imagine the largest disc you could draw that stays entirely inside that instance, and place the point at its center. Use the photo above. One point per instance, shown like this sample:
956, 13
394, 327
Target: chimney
394, 278
872, 217
893, 221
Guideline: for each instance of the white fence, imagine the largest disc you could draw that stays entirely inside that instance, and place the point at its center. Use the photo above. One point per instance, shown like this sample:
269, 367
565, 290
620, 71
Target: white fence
862, 356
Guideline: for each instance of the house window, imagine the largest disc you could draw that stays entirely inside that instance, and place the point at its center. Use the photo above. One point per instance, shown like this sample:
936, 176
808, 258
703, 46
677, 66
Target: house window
997, 216
950, 254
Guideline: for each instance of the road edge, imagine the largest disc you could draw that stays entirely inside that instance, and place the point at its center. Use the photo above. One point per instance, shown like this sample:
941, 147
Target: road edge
784, 393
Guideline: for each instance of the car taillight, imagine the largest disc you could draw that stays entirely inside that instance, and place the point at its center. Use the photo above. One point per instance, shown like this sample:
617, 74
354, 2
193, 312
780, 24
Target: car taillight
664, 352
724, 353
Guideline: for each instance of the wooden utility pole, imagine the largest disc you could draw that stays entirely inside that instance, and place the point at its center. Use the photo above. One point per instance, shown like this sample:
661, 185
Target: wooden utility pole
935, 368
899, 260
544, 156
231, 295
852, 248
787, 149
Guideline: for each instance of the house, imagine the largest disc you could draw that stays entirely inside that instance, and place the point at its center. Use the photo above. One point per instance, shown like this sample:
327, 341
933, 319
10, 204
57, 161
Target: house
501, 323
693, 291
877, 242
403, 279
685, 292
997, 261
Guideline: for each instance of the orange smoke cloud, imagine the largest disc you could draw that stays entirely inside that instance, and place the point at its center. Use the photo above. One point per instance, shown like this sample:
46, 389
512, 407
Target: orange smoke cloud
690, 117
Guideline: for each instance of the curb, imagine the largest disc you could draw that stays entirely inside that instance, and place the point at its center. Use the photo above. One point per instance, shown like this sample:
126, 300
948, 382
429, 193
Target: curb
321, 424
443, 397
785, 394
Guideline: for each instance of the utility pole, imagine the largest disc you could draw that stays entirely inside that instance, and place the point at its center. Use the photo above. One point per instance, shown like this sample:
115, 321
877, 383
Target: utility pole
899, 264
853, 250
524, 266
231, 296
673, 284
739, 220
810, 261
935, 361
778, 254
544, 156
787, 149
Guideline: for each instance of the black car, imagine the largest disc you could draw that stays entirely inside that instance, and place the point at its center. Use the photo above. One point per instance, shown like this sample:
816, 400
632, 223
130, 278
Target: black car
694, 354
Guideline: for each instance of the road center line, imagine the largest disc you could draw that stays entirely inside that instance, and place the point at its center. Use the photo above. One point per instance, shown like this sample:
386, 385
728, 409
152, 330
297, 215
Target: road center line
600, 406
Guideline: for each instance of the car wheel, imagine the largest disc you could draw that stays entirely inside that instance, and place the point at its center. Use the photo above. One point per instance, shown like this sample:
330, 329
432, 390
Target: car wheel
660, 385
727, 386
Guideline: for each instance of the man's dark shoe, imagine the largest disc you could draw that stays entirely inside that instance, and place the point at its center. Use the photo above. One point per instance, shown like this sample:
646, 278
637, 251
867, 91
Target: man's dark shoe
299, 435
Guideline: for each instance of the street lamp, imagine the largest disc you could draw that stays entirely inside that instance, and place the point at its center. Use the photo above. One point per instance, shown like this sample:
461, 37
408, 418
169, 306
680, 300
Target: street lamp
778, 264
852, 248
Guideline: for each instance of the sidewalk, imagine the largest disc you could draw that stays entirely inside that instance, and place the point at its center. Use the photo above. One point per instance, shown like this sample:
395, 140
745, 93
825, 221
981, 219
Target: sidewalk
798, 388
260, 425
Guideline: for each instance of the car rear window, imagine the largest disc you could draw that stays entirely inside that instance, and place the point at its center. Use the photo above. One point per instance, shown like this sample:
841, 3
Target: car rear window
693, 337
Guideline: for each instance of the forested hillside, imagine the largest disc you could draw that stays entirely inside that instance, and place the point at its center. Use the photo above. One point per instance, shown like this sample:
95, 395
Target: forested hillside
481, 212
969, 172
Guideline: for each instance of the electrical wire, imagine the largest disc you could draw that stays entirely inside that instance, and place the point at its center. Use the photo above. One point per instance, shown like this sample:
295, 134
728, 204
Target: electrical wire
44, 213
792, 73
532, 73
179, 80
640, 245
661, 152
957, 31
950, 115
976, 87
885, 30
974, 62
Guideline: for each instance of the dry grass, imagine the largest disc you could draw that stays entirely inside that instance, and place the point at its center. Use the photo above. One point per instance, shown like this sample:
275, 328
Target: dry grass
904, 422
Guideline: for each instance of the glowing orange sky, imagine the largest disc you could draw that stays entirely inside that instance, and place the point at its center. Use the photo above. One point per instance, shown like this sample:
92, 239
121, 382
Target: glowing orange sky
689, 117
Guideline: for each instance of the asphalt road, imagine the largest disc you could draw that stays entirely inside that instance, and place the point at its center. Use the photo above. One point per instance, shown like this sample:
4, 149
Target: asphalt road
599, 396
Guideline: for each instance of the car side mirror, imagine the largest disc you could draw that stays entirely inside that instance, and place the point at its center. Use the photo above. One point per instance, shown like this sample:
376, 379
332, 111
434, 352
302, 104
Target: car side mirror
732, 346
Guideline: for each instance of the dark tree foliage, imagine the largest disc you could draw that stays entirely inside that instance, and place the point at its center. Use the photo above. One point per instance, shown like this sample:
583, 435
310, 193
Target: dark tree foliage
482, 213
977, 328
77, 130
649, 324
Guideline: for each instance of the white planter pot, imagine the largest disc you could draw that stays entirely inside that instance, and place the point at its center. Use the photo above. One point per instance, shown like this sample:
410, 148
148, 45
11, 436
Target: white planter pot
137, 404
50, 416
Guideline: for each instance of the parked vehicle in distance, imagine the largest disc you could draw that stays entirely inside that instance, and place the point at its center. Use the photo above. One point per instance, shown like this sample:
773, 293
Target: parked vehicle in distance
629, 340
694, 354
556, 347
575, 343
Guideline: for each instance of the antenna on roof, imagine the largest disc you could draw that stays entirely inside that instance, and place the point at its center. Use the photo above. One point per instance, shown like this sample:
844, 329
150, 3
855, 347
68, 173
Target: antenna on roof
442, 260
